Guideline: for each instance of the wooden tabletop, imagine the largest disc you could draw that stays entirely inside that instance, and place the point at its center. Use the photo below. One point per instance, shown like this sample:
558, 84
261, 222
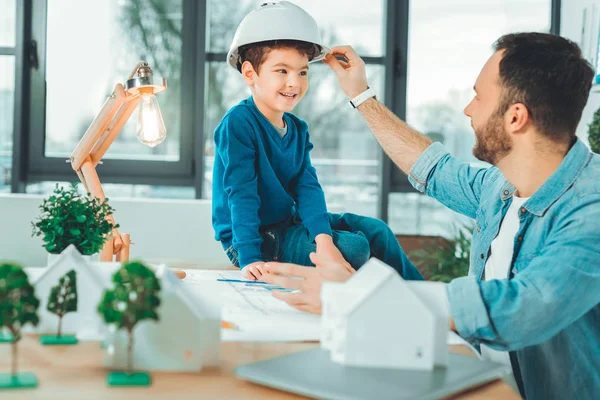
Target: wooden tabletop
76, 372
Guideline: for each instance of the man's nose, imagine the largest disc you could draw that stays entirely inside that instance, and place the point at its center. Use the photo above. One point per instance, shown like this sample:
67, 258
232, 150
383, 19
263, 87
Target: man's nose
466, 110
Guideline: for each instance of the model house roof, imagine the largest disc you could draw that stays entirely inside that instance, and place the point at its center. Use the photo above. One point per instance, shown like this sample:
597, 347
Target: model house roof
170, 283
368, 279
70, 259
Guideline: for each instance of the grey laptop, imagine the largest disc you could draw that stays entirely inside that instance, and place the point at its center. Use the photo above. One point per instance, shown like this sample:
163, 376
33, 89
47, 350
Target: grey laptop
312, 373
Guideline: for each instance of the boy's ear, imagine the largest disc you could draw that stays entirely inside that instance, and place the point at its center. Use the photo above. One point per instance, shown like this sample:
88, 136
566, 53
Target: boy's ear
248, 73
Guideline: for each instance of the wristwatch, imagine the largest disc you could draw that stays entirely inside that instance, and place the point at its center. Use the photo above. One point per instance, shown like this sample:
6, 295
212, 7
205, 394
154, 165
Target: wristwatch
361, 98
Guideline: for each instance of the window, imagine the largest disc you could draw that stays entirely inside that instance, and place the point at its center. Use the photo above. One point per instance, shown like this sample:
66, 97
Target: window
7, 90
81, 70
346, 156
119, 35
449, 43
85, 47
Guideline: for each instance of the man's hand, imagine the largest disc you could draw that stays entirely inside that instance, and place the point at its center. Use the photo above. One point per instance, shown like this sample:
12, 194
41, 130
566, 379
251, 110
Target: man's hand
351, 74
327, 251
253, 271
308, 281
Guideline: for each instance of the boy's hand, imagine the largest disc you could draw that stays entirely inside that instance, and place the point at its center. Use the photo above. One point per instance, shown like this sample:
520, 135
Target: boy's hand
253, 271
327, 250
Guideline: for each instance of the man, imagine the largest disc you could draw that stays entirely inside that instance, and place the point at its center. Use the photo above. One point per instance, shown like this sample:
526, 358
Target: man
534, 282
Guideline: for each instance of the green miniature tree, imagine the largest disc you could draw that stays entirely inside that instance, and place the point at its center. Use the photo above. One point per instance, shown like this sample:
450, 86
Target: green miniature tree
71, 218
62, 300
18, 307
134, 298
594, 132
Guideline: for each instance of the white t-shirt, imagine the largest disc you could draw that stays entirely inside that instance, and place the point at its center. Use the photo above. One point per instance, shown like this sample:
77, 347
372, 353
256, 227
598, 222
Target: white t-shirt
498, 264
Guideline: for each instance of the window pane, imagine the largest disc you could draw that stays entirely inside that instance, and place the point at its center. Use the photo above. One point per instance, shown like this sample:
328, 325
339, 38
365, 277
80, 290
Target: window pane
458, 36
7, 91
340, 22
8, 18
113, 191
121, 33
346, 156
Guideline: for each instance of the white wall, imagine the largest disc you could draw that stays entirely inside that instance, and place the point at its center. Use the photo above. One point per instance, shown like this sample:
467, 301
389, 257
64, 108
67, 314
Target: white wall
571, 28
177, 232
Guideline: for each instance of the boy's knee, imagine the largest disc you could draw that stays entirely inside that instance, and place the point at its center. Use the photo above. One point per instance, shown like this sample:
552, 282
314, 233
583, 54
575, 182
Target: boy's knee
355, 248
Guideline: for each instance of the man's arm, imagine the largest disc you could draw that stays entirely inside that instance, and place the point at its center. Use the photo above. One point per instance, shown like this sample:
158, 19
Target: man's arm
429, 166
401, 143
556, 288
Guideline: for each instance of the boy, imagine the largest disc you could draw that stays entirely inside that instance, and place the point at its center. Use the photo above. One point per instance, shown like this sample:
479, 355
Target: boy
267, 202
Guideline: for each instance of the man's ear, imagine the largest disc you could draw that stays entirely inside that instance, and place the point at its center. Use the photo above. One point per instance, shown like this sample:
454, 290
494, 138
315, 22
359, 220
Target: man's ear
517, 117
248, 73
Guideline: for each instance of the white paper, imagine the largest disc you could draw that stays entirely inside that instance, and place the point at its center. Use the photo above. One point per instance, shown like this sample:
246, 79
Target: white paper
251, 307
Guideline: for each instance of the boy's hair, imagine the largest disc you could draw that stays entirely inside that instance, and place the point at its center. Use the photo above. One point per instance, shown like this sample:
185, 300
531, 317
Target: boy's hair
256, 53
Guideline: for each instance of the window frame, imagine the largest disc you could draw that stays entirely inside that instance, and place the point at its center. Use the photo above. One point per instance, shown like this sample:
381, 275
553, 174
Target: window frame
40, 167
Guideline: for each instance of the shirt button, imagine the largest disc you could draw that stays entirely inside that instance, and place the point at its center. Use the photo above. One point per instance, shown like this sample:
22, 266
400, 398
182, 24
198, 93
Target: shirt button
275, 258
478, 229
520, 238
506, 192
482, 256
523, 210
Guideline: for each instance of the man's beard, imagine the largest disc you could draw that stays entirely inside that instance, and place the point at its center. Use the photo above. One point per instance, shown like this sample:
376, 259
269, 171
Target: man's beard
492, 142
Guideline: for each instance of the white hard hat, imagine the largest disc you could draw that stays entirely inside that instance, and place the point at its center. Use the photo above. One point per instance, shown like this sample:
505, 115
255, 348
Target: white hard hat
276, 21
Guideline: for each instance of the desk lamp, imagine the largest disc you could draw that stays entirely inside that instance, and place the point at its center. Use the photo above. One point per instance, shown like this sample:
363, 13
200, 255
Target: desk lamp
117, 109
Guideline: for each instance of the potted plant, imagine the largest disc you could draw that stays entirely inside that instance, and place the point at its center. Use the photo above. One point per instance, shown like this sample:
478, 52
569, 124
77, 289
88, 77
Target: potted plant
594, 132
18, 307
69, 217
62, 300
445, 261
134, 298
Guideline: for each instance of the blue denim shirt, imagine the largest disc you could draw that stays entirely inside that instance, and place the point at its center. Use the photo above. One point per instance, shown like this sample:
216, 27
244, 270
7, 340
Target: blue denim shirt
547, 311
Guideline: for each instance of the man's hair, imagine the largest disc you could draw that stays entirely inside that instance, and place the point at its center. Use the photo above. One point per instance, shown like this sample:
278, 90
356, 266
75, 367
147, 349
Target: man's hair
256, 53
547, 74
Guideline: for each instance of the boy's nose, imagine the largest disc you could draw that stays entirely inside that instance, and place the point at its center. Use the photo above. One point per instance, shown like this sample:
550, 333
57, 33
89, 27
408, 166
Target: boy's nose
292, 81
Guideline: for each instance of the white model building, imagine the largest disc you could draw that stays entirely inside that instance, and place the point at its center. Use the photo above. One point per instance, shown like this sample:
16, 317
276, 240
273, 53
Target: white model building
85, 323
187, 336
377, 319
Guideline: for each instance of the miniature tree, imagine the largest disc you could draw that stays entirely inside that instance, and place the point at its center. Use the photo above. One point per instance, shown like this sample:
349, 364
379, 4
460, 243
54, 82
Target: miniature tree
18, 307
71, 218
134, 298
594, 132
62, 300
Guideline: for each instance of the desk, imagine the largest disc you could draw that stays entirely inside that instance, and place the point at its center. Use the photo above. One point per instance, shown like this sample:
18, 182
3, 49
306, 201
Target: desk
76, 372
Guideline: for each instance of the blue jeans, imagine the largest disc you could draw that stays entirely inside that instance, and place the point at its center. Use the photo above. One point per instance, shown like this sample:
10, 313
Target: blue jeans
357, 237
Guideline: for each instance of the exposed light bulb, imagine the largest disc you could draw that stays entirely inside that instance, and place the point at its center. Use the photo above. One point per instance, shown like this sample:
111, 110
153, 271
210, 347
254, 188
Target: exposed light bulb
150, 127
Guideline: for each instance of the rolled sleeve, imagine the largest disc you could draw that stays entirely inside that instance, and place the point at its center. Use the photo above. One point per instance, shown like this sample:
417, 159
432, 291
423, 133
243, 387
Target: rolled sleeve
424, 164
468, 309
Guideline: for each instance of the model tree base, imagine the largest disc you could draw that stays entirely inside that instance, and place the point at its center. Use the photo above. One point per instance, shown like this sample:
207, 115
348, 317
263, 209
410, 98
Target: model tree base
6, 337
19, 381
58, 340
125, 379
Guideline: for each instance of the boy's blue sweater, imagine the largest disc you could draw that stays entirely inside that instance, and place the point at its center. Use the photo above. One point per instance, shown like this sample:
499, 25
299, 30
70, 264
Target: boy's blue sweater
260, 178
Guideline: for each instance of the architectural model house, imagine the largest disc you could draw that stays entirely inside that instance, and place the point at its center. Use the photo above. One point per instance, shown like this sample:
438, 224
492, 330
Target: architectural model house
187, 336
375, 319
85, 323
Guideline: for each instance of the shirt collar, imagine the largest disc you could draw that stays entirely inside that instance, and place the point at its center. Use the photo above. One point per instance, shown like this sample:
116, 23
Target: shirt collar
558, 183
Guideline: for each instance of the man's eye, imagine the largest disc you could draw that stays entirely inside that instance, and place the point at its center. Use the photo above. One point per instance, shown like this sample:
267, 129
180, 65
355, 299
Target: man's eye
283, 71
303, 73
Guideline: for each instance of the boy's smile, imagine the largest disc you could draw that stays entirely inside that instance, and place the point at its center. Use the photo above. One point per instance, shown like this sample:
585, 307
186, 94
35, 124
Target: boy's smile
279, 84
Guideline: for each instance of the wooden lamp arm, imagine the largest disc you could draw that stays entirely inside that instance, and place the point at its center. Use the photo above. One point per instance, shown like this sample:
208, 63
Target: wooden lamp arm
115, 112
